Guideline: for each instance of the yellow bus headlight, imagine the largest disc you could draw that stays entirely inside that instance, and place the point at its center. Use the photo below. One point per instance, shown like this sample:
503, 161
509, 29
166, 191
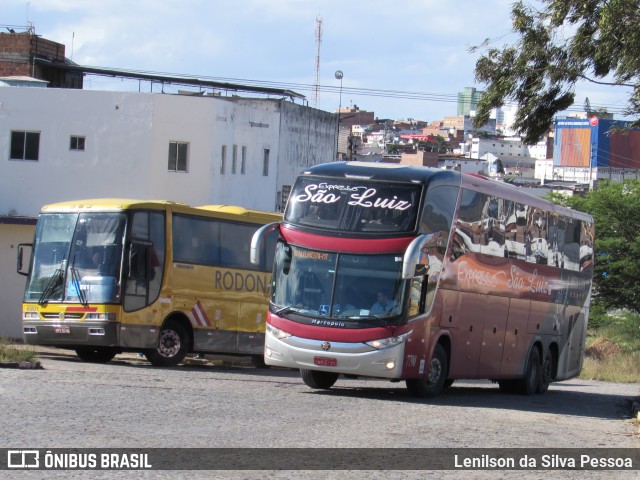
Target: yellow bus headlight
101, 317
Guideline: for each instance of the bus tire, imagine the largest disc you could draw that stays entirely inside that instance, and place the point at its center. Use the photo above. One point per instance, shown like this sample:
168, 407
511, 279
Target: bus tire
546, 372
173, 345
316, 379
436, 378
95, 354
528, 385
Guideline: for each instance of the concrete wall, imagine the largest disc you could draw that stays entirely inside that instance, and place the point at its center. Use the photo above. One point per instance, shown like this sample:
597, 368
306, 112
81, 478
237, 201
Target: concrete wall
115, 162
307, 137
12, 290
254, 124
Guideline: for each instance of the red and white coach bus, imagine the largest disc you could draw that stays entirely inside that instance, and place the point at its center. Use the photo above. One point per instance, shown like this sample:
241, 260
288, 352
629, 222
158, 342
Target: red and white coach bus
425, 275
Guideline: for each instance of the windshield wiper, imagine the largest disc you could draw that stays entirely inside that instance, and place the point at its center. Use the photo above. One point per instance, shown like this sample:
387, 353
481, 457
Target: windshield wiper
75, 279
281, 310
52, 284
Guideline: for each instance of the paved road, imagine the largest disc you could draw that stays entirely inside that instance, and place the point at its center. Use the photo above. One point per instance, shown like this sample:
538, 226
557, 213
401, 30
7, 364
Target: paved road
130, 404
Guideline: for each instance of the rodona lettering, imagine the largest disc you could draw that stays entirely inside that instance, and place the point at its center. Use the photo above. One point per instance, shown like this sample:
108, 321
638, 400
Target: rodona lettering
241, 282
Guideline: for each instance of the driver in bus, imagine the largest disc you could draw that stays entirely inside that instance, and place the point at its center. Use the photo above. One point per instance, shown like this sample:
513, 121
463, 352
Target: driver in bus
384, 304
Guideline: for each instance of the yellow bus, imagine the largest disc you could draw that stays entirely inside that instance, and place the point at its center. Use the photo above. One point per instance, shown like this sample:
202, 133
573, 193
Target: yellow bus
113, 275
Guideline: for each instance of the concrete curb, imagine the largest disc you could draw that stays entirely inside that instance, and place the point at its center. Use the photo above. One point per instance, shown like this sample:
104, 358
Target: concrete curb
22, 365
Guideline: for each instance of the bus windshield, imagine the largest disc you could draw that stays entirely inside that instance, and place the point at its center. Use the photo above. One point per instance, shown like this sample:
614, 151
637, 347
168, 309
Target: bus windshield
337, 285
77, 258
348, 206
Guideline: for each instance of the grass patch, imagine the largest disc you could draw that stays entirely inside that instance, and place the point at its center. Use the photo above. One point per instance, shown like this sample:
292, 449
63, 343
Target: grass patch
613, 349
12, 352
620, 368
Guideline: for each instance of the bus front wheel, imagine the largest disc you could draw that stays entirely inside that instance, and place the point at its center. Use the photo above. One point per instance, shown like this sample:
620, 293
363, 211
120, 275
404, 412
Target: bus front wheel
95, 354
436, 378
529, 384
315, 379
173, 345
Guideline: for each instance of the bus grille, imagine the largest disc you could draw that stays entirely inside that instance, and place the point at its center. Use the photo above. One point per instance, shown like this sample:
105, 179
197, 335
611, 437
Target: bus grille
67, 316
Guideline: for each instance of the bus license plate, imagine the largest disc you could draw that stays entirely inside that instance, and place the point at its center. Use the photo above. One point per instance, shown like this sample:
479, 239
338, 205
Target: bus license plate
62, 330
325, 361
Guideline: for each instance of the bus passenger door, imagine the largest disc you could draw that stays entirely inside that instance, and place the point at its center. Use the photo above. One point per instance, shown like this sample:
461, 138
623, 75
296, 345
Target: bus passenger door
144, 267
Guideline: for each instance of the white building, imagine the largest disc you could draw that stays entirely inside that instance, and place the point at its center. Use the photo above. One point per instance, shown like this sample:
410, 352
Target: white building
510, 147
64, 144
505, 117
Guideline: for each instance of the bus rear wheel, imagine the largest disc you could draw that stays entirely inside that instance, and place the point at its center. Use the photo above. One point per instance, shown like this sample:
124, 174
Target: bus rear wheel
547, 372
436, 378
315, 379
95, 354
173, 345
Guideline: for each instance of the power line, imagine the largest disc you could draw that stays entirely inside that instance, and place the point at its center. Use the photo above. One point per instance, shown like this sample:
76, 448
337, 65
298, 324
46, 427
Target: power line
363, 92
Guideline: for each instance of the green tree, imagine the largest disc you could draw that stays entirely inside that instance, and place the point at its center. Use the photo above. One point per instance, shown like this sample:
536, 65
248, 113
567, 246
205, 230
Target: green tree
392, 148
616, 210
564, 42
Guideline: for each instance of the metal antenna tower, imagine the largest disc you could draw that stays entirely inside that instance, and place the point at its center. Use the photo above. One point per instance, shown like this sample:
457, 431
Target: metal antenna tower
316, 85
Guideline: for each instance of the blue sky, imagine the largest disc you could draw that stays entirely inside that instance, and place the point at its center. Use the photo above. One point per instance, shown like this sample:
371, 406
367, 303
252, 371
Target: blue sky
402, 46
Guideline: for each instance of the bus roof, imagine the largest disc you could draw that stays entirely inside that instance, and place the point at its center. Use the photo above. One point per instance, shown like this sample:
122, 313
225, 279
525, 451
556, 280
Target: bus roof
425, 175
381, 171
119, 204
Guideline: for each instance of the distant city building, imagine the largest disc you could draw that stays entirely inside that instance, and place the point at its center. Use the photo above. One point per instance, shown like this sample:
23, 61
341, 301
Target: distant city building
26, 54
464, 123
468, 101
505, 117
509, 147
587, 150
354, 116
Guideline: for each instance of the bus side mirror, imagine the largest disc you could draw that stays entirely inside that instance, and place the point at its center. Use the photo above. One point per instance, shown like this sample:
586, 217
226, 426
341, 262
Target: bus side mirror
20, 268
258, 240
416, 258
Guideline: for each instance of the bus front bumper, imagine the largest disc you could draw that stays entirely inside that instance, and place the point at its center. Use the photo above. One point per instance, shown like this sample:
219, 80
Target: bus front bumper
99, 334
347, 358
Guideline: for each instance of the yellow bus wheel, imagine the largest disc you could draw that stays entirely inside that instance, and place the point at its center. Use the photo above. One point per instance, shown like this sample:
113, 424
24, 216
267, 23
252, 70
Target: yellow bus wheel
173, 345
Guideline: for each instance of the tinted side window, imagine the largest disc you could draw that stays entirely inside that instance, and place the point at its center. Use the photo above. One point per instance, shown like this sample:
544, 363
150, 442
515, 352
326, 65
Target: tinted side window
572, 244
235, 241
439, 206
206, 241
516, 245
556, 240
537, 237
195, 240
586, 246
480, 226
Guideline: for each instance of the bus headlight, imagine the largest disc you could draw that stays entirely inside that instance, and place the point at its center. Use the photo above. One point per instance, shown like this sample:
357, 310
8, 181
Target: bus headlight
30, 315
276, 332
101, 317
389, 342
